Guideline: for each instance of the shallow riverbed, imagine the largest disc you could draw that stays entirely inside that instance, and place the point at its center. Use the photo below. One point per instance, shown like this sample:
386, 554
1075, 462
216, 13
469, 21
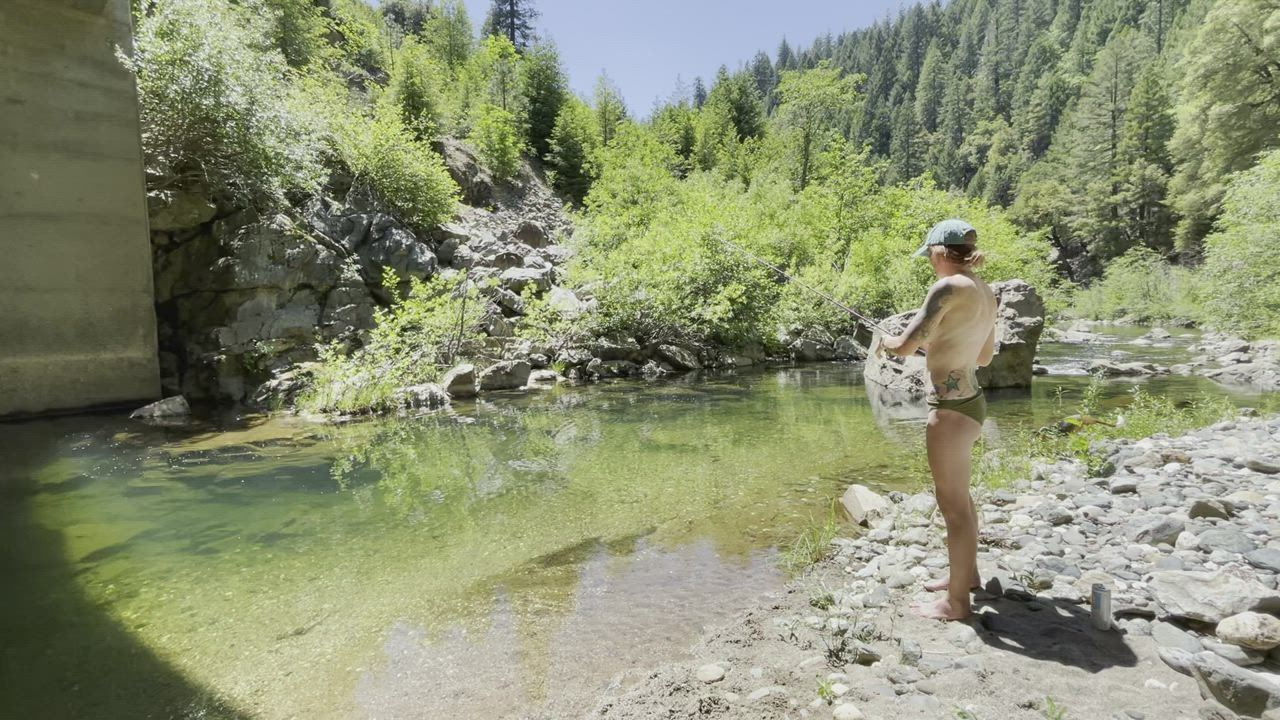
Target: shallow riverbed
511, 556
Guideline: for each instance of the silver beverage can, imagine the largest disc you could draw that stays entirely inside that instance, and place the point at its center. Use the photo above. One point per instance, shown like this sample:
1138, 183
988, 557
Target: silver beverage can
1101, 606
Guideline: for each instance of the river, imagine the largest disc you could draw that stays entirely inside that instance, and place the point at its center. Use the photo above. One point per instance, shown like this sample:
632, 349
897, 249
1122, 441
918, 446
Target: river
511, 556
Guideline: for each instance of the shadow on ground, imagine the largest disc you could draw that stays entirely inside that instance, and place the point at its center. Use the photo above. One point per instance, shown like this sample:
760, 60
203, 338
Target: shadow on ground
61, 655
1053, 631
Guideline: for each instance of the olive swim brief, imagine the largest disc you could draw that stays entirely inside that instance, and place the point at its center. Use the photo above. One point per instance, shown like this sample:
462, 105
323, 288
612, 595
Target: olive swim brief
974, 406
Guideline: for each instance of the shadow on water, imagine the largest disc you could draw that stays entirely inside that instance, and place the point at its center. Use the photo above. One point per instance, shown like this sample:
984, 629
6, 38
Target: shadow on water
62, 655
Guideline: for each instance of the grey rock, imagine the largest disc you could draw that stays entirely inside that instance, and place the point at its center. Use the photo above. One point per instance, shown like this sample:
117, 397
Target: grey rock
1225, 540
1178, 659
1252, 630
1240, 690
517, 279
1123, 485
809, 350
1155, 529
506, 375
179, 210
1234, 654
1211, 596
848, 348
170, 407
427, 396
1201, 509
1267, 558
678, 357
864, 505
1108, 368
1171, 636
1260, 465
460, 382
533, 234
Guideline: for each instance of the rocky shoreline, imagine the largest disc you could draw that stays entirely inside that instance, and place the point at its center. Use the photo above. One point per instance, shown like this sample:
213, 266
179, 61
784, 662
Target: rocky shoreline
1183, 531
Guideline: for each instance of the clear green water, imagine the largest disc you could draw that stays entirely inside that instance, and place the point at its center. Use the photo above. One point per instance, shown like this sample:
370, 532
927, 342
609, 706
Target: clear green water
511, 557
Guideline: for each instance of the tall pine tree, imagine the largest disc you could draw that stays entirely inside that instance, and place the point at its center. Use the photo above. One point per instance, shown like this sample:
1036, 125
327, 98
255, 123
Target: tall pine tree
512, 19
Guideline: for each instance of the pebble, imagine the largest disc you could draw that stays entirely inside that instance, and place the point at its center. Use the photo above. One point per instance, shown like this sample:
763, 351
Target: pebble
847, 711
766, 692
711, 673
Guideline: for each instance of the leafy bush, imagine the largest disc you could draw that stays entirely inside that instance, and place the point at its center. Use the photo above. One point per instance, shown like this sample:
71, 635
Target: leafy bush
1142, 286
497, 138
435, 325
415, 89
217, 105
574, 141
404, 173
1241, 269
365, 41
669, 254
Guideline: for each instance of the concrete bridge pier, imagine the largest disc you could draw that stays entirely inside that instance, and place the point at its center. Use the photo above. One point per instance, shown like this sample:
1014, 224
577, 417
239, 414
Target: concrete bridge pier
77, 314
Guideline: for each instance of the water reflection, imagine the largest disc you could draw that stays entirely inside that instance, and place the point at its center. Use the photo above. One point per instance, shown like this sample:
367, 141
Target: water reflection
510, 556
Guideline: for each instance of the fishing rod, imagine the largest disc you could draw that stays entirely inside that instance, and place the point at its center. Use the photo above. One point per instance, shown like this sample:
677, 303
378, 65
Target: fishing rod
825, 296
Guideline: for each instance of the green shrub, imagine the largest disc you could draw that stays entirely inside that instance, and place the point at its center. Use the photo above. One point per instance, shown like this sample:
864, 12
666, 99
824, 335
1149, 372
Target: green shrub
666, 250
416, 89
435, 325
404, 173
1142, 286
574, 141
498, 140
365, 42
300, 30
217, 105
1242, 263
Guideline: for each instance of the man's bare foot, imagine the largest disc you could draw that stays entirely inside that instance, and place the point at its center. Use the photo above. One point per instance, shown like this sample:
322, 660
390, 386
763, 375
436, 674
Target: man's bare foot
945, 584
941, 609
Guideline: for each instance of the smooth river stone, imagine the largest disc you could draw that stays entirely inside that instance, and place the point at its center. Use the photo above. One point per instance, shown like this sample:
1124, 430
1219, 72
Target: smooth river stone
711, 673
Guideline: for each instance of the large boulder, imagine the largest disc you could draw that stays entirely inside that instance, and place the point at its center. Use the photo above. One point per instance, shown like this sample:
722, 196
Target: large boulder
1252, 630
1019, 322
460, 382
169, 407
1212, 597
1243, 691
250, 296
809, 350
532, 233
678, 357
467, 171
506, 375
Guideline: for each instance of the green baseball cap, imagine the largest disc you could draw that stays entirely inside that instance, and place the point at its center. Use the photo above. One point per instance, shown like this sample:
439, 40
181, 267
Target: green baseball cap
947, 232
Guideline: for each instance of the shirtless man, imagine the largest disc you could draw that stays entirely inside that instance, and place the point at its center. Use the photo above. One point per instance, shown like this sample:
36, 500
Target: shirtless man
957, 328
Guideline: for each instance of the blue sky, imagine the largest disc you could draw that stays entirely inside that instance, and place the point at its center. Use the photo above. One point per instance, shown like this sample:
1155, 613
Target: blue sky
645, 44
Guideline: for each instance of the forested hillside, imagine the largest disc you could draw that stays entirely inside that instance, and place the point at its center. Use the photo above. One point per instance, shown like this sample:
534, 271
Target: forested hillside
1112, 124
1091, 142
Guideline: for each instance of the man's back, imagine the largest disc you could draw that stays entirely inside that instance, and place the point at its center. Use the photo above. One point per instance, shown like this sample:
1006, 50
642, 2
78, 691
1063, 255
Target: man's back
961, 336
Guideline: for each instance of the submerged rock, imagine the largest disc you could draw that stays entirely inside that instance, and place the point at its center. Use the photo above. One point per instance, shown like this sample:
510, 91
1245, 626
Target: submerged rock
170, 407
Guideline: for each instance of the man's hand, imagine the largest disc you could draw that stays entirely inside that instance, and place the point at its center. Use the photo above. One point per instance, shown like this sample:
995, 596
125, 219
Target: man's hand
892, 344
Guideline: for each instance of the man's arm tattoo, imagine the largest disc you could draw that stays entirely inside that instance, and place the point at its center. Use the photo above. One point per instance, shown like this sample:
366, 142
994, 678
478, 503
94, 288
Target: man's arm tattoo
927, 319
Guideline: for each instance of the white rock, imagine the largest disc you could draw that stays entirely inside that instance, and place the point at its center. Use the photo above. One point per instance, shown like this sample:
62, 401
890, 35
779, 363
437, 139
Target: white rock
711, 673
847, 711
1251, 630
864, 505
